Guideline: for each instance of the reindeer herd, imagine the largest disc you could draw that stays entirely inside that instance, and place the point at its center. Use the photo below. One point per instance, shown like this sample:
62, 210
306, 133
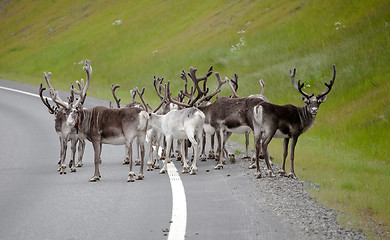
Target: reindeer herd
190, 118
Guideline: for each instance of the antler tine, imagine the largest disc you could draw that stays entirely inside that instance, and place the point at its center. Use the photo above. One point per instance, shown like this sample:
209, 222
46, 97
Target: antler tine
162, 100
44, 100
299, 86
155, 83
172, 100
262, 84
329, 86
71, 97
217, 90
113, 88
83, 92
140, 94
233, 84
53, 93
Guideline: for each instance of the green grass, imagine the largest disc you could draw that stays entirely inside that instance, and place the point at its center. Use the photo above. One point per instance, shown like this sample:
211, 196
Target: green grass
346, 152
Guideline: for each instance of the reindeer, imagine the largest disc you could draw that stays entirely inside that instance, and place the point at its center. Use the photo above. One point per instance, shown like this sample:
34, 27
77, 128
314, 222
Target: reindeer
64, 132
102, 125
287, 121
133, 103
186, 123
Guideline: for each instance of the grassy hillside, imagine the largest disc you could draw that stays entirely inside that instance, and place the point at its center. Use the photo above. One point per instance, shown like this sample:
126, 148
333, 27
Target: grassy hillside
347, 151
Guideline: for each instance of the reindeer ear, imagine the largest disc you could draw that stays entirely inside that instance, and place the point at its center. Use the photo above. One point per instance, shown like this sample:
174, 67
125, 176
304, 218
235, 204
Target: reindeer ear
323, 99
305, 99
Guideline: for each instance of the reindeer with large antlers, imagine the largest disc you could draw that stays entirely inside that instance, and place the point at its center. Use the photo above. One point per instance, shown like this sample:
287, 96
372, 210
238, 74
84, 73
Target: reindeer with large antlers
287, 122
64, 132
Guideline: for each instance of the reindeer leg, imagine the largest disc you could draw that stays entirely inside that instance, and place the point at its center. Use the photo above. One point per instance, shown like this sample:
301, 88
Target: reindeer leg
196, 145
292, 152
184, 153
149, 164
141, 170
257, 152
81, 149
131, 173
211, 152
138, 161
264, 150
220, 149
168, 157
73, 143
247, 145
282, 172
203, 155
97, 149
127, 156
64, 147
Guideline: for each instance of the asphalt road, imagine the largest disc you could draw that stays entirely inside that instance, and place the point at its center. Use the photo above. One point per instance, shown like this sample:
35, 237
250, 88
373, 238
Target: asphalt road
36, 202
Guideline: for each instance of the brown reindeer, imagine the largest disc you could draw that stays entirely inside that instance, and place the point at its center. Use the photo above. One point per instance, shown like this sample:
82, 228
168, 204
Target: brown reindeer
64, 132
102, 125
287, 121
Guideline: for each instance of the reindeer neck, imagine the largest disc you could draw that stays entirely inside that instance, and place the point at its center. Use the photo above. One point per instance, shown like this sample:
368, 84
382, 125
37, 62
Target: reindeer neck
306, 118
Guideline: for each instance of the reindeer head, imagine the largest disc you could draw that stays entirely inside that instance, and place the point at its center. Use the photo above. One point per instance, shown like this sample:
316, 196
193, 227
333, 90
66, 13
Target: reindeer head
312, 102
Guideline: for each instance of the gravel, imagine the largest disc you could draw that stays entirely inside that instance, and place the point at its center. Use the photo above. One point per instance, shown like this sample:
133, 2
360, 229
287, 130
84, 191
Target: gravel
294, 206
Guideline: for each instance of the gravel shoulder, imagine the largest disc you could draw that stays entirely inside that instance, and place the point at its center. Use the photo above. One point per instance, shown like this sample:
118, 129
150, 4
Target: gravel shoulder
293, 205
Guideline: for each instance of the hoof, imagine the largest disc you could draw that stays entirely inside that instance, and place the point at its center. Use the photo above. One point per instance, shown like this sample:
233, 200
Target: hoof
218, 166
131, 177
149, 167
252, 166
292, 175
193, 171
62, 169
232, 158
211, 154
185, 170
246, 156
137, 162
156, 166
79, 164
140, 176
178, 158
94, 179
73, 170
71, 163
282, 173
270, 173
162, 171
258, 175
203, 158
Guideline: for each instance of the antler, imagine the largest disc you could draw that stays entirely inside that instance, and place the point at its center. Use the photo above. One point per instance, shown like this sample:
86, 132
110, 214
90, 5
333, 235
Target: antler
233, 84
53, 93
44, 100
196, 81
189, 95
217, 90
140, 94
329, 86
83, 89
113, 88
299, 86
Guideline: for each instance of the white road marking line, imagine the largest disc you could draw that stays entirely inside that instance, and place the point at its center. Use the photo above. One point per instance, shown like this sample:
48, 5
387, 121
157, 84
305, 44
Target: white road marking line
178, 226
19, 91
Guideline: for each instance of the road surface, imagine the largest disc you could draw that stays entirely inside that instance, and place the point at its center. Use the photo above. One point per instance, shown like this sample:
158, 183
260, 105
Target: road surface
36, 202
